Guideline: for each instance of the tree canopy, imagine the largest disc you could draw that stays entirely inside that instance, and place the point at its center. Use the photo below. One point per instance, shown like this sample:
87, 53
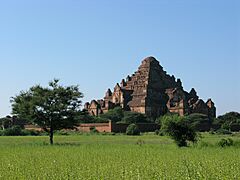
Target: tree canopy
52, 108
5, 123
231, 117
115, 115
227, 121
134, 117
119, 115
179, 129
85, 117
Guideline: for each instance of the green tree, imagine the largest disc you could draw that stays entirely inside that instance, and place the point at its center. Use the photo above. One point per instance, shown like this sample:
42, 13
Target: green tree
164, 120
6, 122
196, 119
85, 117
134, 117
179, 129
53, 108
115, 115
133, 130
227, 120
231, 116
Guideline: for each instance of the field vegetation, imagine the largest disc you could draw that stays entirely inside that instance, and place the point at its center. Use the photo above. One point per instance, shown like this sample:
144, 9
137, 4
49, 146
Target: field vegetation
98, 156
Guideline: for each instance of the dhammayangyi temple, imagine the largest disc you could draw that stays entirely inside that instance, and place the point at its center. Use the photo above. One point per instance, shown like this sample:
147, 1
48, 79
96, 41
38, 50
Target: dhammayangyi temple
151, 91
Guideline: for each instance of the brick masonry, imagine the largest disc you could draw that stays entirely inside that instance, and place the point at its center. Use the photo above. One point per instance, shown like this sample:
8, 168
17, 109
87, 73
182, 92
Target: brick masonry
117, 128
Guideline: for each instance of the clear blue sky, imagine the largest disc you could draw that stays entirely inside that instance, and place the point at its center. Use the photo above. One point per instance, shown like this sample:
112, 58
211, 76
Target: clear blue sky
97, 43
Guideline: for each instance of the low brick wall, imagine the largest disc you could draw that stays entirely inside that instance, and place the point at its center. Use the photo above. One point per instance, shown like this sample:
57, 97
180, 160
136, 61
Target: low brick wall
117, 128
101, 127
33, 127
143, 127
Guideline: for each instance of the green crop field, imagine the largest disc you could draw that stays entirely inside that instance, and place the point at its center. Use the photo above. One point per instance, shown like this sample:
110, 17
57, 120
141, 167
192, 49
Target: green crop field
116, 157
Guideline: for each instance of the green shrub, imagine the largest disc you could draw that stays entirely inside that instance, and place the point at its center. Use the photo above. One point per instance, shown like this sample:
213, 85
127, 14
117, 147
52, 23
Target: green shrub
26, 132
236, 143
179, 130
6, 122
134, 117
211, 131
13, 131
157, 132
223, 131
115, 115
18, 131
140, 142
93, 130
197, 119
203, 144
229, 118
225, 142
161, 133
226, 126
62, 133
133, 130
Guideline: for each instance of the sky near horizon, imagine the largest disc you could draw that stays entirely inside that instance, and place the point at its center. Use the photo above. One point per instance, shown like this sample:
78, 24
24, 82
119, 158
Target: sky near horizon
95, 44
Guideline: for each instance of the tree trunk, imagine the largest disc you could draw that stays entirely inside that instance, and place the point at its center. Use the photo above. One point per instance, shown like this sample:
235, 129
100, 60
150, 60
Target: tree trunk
51, 136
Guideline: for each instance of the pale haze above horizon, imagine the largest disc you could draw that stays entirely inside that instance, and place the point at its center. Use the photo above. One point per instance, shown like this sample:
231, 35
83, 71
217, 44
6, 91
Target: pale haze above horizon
95, 44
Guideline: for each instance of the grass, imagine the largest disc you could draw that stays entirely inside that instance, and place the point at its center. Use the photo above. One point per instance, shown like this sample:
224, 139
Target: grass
116, 157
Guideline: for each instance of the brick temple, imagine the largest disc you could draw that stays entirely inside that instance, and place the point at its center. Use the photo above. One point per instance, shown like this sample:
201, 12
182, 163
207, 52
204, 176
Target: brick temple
151, 91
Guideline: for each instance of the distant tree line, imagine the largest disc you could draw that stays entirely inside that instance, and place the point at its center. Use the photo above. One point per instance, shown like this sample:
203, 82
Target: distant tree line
116, 115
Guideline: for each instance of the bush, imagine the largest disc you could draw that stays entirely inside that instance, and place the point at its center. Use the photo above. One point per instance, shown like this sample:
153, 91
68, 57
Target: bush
115, 115
133, 130
203, 144
236, 143
179, 130
226, 126
134, 117
140, 142
6, 123
224, 132
34, 133
159, 133
93, 130
85, 117
18, 131
63, 133
197, 119
160, 120
211, 131
225, 142
227, 120
14, 131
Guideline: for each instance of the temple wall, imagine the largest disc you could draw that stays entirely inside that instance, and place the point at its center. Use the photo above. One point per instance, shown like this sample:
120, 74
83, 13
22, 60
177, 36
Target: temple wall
117, 128
101, 127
